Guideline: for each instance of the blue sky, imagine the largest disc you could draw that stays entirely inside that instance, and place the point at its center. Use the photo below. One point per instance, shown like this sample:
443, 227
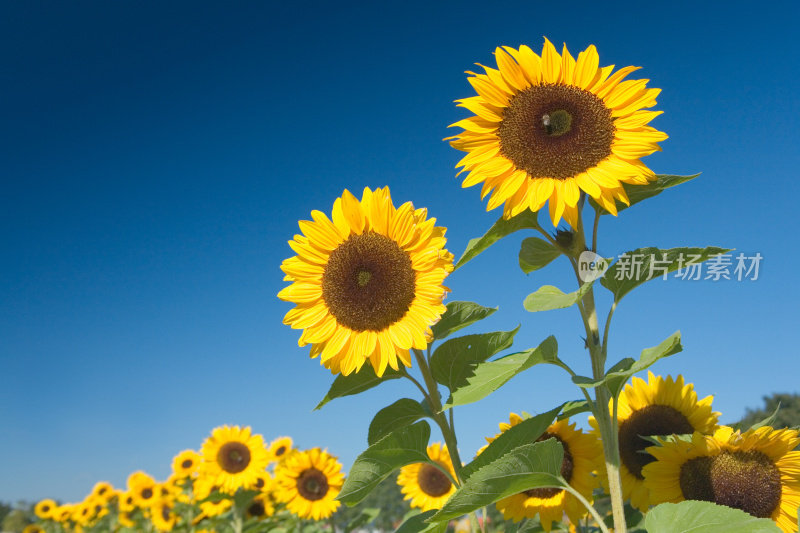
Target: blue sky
156, 158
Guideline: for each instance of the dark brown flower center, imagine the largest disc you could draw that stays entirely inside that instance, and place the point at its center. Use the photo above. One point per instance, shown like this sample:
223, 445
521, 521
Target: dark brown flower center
556, 131
749, 481
312, 484
256, 509
147, 494
368, 283
567, 465
165, 510
433, 481
187, 463
260, 483
280, 451
45, 508
652, 420
233, 457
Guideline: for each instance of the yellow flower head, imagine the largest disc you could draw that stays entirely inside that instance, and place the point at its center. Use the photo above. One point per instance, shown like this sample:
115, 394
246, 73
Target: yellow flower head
427, 486
233, 457
308, 483
186, 463
44, 509
549, 127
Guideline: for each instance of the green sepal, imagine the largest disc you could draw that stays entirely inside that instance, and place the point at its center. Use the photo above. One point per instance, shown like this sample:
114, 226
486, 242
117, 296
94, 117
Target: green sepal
459, 315
525, 220
402, 447
708, 517
455, 359
364, 379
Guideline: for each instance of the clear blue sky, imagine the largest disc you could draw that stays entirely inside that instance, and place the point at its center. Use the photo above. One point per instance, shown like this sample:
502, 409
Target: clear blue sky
156, 157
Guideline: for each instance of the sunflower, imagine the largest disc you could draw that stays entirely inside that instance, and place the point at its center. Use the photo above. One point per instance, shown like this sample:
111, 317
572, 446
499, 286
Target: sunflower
755, 471
552, 127
162, 515
33, 528
280, 447
308, 483
260, 507
657, 407
233, 458
581, 451
142, 488
427, 486
368, 283
44, 509
203, 488
103, 490
185, 464
62, 513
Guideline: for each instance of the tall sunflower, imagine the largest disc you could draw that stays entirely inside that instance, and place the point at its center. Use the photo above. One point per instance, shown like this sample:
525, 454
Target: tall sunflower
549, 127
308, 483
367, 282
233, 457
425, 485
660, 406
581, 451
755, 471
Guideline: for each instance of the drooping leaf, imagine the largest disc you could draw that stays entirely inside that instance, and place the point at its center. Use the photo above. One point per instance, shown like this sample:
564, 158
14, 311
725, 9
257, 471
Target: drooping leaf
525, 220
417, 523
637, 193
363, 518
639, 266
354, 383
548, 298
620, 373
459, 315
405, 446
403, 412
531, 466
490, 376
535, 253
706, 517
455, 359
526, 432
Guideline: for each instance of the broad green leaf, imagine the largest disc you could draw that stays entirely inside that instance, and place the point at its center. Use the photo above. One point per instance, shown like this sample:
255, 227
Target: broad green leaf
455, 359
574, 407
637, 193
403, 412
354, 383
531, 466
526, 432
535, 253
459, 315
363, 518
417, 523
620, 373
490, 376
634, 268
704, 517
405, 446
548, 298
525, 220
243, 498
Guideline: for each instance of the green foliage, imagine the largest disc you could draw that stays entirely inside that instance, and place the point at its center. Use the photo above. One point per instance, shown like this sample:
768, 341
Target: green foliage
16, 520
530, 466
535, 253
459, 315
417, 523
637, 193
364, 379
787, 416
525, 220
706, 517
456, 358
401, 413
547, 298
386, 498
404, 446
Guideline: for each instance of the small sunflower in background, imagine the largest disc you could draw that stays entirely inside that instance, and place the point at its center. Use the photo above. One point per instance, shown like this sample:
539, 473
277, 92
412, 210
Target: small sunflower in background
203, 488
45, 508
308, 483
186, 463
260, 507
281, 447
63, 513
427, 486
142, 488
367, 282
233, 457
162, 515
33, 528
581, 452
756, 471
547, 128
103, 490
660, 406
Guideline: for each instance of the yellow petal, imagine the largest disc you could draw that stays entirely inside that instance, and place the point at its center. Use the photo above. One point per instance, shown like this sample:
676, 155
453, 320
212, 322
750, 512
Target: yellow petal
489, 92
510, 70
586, 67
567, 66
551, 63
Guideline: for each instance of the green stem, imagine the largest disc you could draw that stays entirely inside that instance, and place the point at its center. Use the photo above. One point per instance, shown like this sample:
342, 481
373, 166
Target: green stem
589, 507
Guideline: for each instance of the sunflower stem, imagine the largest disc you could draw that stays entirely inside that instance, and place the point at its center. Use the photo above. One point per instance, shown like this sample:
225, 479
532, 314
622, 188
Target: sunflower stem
589, 507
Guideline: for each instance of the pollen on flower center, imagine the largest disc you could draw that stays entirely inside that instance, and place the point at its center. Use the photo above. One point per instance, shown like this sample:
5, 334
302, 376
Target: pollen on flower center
648, 421
368, 283
746, 480
557, 122
432, 481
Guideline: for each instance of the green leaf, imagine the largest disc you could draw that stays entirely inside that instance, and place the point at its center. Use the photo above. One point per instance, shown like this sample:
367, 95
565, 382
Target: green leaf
525, 220
243, 498
455, 359
405, 446
705, 517
363, 518
354, 383
535, 253
634, 268
490, 376
620, 373
531, 466
548, 298
768, 421
418, 524
459, 315
574, 407
526, 432
637, 193
401, 413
